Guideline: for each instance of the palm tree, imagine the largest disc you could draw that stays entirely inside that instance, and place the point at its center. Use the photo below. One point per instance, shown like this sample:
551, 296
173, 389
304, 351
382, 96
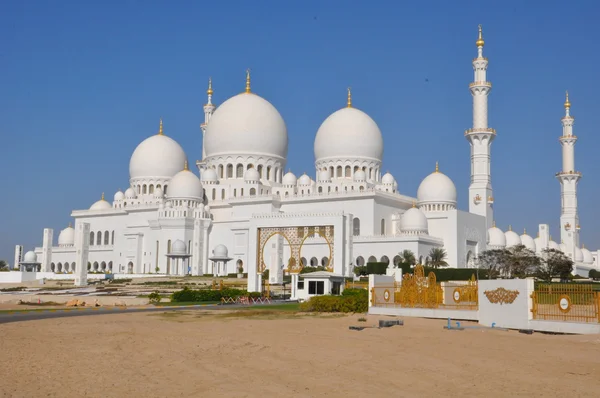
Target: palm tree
408, 257
437, 257
3, 265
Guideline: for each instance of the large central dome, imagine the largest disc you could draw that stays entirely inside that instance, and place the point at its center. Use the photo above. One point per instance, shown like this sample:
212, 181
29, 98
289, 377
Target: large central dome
246, 125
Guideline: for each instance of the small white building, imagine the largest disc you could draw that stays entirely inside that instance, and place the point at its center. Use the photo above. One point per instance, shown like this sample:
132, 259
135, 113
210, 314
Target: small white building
318, 284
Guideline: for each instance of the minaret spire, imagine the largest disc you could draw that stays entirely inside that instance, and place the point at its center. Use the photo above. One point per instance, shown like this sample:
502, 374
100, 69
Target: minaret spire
160, 127
209, 109
349, 98
248, 81
568, 178
480, 137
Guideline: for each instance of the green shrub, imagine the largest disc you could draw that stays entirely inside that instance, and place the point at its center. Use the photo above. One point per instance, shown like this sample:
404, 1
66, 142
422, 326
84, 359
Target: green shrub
154, 298
376, 268
594, 274
453, 274
351, 300
188, 295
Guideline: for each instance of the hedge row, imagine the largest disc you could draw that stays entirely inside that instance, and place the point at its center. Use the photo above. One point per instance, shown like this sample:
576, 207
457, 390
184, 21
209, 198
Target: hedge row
455, 274
188, 295
351, 300
594, 274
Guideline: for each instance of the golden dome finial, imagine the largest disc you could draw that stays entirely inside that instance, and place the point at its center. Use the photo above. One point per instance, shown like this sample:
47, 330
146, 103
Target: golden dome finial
414, 204
510, 227
69, 225
185, 165
567, 103
210, 90
494, 224
582, 245
160, 127
437, 167
248, 80
480, 41
524, 231
349, 97
102, 197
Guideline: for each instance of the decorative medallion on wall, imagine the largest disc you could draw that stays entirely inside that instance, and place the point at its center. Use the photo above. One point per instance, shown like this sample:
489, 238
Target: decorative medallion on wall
501, 296
386, 295
456, 295
564, 304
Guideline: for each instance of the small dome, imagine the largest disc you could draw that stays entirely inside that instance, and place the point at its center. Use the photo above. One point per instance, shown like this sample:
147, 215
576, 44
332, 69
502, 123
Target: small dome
388, 178
252, 175
119, 196
304, 180
130, 193
289, 179
349, 134
178, 247
246, 124
528, 242
30, 257
360, 176
496, 238
323, 176
578, 255
220, 251
587, 256
67, 236
185, 184
157, 156
437, 188
413, 220
101, 205
512, 238
553, 245
158, 193
210, 175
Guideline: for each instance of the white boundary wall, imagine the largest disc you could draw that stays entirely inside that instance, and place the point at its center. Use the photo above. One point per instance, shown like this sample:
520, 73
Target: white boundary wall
18, 276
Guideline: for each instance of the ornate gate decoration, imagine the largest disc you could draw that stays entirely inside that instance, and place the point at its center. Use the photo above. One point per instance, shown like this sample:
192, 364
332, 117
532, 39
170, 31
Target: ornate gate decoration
295, 237
419, 291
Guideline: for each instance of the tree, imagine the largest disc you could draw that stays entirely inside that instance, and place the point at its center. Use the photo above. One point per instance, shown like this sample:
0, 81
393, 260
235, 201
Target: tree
493, 261
437, 258
360, 270
3, 265
520, 262
553, 264
408, 257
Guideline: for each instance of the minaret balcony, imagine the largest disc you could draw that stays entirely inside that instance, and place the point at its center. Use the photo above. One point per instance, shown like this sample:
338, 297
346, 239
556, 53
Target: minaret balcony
567, 137
568, 173
480, 84
484, 130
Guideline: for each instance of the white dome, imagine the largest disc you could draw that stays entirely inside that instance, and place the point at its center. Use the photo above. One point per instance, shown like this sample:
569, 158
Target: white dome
587, 256
210, 175
496, 237
130, 193
562, 247
324, 176
178, 247
67, 236
388, 178
413, 220
158, 193
436, 188
349, 134
220, 251
246, 124
119, 196
252, 175
289, 179
360, 176
157, 156
578, 255
304, 180
185, 184
553, 245
528, 242
512, 238
30, 257
101, 205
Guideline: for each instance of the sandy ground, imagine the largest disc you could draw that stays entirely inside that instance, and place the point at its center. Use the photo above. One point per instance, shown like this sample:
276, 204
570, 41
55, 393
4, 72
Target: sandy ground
228, 355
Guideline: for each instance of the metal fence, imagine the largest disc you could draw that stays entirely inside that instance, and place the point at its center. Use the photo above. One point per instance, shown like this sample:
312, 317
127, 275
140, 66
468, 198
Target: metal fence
565, 302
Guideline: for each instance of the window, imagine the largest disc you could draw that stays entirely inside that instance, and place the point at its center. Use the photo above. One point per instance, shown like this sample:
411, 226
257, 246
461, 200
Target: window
356, 227
316, 287
382, 226
335, 288
300, 285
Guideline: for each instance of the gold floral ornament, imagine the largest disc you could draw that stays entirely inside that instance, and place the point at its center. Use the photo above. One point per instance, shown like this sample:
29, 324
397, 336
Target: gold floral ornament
501, 296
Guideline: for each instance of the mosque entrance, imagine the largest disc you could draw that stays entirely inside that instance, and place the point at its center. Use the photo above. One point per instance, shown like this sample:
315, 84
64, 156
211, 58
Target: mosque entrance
287, 243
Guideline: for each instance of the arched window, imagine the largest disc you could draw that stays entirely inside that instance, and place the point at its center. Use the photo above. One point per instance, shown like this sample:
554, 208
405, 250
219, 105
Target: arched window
249, 166
260, 170
144, 189
348, 171
397, 260
356, 227
325, 262
241, 191
372, 259
268, 172
339, 171
151, 188
360, 261
303, 261
222, 194
276, 174
239, 171
220, 171
112, 239
320, 190
252, 191
356, 168
234, 192
165, 190
382, 226
106, 237
214, 194
92, 238
99, 238
229, 171
385, 259
314, 262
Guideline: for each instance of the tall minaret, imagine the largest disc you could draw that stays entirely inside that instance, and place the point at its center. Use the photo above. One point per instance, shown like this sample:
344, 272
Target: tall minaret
480, 137
568, 178
209, 109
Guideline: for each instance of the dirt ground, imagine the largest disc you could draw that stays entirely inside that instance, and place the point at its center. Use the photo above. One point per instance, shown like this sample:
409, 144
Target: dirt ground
253, 355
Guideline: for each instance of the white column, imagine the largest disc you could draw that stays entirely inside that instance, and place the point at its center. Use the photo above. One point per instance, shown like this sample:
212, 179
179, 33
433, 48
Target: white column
259, 282
294, 292
82, 242
47, 249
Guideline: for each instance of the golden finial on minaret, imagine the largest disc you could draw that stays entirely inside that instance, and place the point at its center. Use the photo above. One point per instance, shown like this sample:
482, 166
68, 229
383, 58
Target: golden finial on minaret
185, 165
102, 198
510, 227
538, 234
349, 98
494, 224
248, 81
567, 103
210, 90
160, 127
437, 167
480, 41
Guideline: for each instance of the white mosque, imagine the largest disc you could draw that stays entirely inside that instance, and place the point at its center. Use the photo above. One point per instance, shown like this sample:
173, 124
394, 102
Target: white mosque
245, 214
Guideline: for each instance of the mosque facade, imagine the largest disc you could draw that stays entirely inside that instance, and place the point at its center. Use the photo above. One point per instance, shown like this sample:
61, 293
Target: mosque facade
246, 214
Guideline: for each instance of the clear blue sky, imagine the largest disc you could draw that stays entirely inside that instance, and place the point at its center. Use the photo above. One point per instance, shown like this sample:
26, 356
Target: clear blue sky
83, 82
